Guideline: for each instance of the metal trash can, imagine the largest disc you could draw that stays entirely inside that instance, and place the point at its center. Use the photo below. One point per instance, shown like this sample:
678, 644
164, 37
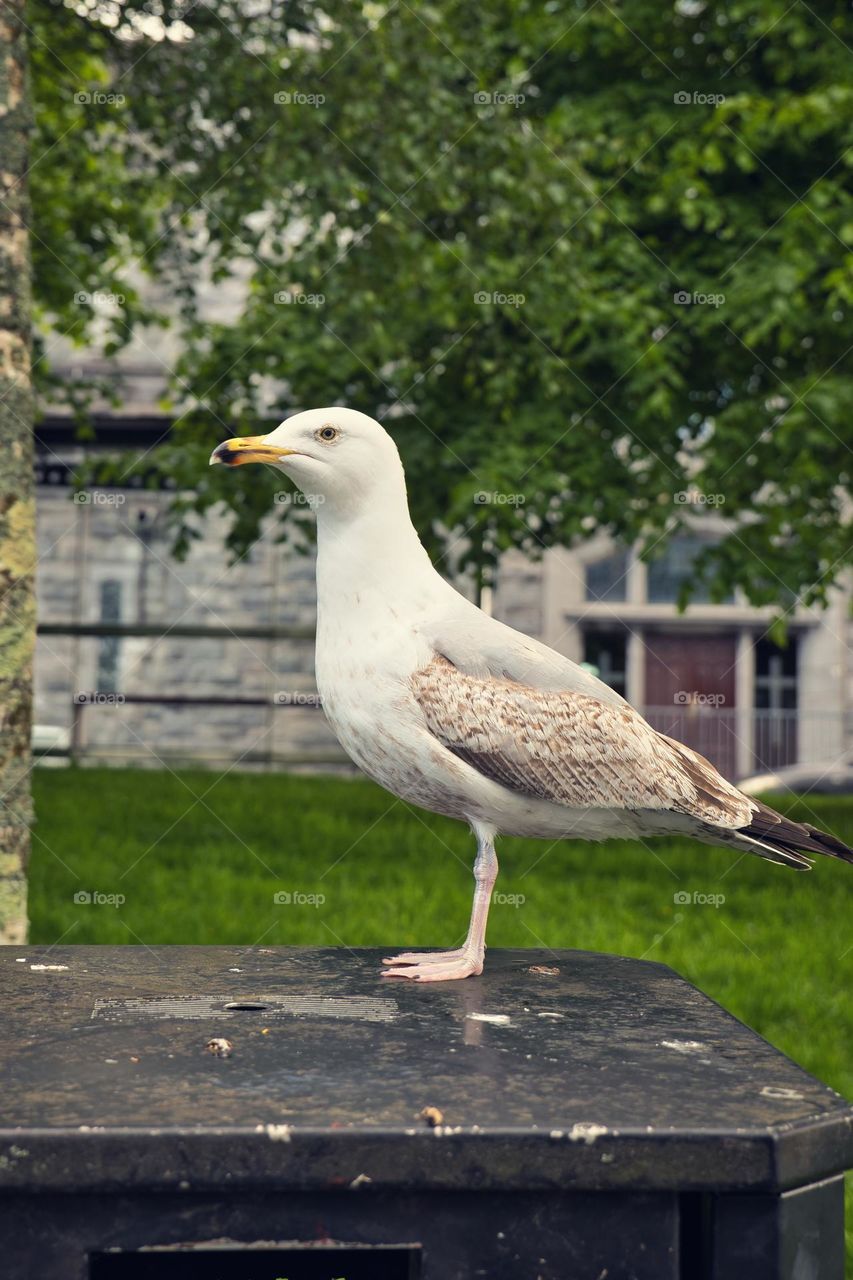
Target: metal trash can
212, 1113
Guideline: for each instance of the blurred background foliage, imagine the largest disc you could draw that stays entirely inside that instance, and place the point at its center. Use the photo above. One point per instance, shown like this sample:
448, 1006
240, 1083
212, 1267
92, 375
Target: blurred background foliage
580, 166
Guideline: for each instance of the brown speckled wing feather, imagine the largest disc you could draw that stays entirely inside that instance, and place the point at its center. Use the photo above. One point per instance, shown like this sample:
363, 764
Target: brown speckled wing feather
570, 748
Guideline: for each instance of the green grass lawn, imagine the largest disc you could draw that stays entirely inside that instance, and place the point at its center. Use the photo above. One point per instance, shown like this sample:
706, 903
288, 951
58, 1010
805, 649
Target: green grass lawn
199, 857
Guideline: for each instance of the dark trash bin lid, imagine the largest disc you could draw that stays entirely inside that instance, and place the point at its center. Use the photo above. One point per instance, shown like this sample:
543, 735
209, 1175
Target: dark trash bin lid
211, 1067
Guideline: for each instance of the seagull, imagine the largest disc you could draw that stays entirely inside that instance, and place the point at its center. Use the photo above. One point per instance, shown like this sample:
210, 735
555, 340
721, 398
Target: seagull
458, 713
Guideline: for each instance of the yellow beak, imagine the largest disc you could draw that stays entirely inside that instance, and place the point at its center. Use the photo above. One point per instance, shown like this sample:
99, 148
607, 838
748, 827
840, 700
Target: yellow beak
247, 449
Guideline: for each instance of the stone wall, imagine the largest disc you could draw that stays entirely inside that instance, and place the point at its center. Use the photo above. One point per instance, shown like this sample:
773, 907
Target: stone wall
102, 558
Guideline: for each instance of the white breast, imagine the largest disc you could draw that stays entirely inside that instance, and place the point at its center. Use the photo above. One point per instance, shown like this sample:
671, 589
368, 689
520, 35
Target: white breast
365, 659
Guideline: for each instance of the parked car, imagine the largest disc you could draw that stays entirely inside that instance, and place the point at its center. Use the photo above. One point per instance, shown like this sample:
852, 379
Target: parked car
832, 777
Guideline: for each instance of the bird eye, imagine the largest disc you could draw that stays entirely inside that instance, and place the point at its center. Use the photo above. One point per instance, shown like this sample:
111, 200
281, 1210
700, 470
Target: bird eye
327, 433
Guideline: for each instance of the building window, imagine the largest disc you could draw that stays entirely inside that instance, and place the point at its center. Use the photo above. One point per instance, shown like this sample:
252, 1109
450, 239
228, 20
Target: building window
669, 571
775, 704
606, 651
108, 646
607, 579
775, 676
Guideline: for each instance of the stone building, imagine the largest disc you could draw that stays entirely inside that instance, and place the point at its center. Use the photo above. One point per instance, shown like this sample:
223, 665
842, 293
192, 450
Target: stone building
710, 676
144, 658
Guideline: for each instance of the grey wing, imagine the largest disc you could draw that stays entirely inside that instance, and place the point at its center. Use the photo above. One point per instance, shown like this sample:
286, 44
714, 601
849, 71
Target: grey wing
570, 748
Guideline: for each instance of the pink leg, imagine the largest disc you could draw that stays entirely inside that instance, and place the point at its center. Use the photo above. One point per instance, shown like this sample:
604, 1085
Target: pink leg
443, 966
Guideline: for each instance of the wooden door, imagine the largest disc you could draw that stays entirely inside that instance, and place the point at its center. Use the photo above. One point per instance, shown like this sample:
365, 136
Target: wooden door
690, 692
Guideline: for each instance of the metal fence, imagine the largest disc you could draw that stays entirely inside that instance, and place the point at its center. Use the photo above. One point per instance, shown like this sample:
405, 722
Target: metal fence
181, 718
740, 741
212, 726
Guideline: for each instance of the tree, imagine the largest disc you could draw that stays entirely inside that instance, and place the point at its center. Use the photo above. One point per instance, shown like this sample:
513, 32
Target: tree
17, 507
591, 265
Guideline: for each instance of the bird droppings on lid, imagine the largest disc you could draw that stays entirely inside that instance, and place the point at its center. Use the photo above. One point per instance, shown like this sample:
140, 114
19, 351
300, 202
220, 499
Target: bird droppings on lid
277, 1132
219, 1047
21, 960
544, 970
686, 1046
360, 1181
15, 1153
495, 1019
548, 1014
557, 1133
432, 1116
772, 1091
48, 968
586, 1131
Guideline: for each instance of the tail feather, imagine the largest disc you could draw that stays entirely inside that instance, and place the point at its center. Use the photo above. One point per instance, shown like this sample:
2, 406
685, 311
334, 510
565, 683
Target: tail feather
768, 833
792, 839
782, 857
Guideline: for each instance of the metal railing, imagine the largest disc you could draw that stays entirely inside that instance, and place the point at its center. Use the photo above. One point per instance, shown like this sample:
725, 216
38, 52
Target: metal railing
739, 741
71, 741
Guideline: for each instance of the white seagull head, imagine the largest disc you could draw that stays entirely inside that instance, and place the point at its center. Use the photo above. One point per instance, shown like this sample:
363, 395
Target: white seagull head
337, 456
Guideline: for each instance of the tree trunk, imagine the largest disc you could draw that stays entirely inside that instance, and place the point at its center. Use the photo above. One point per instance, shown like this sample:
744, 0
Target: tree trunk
17, 502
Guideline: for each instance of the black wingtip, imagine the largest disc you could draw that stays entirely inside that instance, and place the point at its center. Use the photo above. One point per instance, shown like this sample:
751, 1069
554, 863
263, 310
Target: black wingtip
789, 837
829, 844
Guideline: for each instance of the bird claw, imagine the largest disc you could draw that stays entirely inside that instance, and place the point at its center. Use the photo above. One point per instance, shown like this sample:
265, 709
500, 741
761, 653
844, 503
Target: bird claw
433, 966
